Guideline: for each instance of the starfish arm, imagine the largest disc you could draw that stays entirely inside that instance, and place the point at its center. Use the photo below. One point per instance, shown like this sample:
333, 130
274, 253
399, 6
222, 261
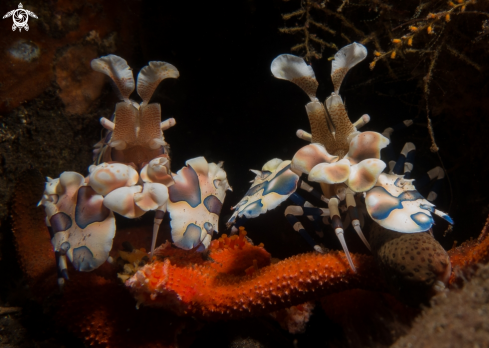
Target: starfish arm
205, 292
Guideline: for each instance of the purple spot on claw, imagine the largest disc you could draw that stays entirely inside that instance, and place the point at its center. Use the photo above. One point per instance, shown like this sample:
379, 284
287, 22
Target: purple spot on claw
186, 187
83, 259
60, 222
213, 204
191, 237
89, 207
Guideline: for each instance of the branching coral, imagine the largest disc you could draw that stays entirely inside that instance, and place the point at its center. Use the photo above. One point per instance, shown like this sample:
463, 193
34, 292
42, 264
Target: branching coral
311, 30
413, 40
428, 25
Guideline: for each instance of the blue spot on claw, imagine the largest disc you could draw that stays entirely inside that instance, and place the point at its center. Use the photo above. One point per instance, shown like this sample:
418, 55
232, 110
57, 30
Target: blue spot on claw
209, 228
186, 188
253, 209
284, 183
213, 204
448, 219
90, 207
60, 222
255, 189
423, 220
385, 203
83, 259
191, 237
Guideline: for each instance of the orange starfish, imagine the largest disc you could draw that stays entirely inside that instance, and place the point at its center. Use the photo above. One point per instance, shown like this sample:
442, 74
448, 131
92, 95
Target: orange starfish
204, 290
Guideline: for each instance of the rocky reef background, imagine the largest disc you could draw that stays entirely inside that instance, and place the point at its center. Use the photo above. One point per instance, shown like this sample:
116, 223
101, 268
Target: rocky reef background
229, 107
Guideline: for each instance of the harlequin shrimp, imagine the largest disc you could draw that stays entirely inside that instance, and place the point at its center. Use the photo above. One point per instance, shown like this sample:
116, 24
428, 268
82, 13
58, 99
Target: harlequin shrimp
131, 176
345, 162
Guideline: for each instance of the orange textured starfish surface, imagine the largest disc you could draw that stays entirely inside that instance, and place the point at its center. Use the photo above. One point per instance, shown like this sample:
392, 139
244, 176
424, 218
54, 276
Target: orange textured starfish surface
204, 290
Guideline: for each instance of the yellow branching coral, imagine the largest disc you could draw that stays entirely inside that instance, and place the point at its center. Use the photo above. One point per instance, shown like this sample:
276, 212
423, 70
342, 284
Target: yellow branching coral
406, 36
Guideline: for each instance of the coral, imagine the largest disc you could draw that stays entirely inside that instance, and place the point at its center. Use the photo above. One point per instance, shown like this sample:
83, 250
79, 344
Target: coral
31, 237
458, 318
27, 73
432, 26
313, 30
485, 231
295, 318
103, 313
436, 19
24, 50
12, 334
9, 310
79, 85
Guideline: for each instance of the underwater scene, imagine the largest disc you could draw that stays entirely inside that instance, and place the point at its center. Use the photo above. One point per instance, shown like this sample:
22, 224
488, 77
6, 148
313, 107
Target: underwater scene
244, 174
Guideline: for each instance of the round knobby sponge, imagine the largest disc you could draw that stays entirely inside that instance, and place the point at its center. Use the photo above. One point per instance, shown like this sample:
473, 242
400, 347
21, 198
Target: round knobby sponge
415, 265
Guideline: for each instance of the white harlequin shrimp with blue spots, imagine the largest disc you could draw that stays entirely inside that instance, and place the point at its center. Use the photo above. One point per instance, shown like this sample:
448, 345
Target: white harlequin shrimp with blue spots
345, 162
